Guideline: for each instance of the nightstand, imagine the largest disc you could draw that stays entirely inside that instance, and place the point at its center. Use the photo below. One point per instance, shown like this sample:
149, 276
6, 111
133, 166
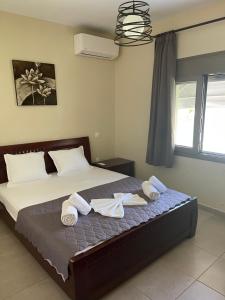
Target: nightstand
119, 165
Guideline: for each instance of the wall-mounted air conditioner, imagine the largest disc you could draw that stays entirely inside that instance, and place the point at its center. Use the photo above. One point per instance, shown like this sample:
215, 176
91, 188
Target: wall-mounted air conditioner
94, 46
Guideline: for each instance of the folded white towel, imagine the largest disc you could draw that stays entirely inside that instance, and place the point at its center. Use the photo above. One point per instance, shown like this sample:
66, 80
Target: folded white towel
69, 215
108, 207
81, 205
150, 191
158, 184
114, 207
129, 199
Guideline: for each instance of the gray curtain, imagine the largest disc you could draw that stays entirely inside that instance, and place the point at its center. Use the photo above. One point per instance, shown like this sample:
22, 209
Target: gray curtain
160, 151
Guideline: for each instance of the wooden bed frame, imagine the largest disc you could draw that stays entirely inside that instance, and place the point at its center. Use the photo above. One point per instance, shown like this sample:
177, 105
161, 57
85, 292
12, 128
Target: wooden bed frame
98, 270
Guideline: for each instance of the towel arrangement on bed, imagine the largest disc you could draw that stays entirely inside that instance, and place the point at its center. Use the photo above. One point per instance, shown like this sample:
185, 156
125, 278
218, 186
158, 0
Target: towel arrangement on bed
110, 207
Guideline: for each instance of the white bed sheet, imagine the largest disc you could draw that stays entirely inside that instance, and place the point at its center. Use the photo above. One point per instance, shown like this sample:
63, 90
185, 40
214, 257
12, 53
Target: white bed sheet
36, 192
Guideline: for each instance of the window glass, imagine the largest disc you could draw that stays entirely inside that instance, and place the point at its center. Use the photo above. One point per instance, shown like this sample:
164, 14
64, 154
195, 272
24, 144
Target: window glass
214, 125
185, 113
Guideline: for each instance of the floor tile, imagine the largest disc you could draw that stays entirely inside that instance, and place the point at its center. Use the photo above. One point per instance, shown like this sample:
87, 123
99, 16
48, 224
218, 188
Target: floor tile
215, 276
210, 235
11, 245
18, 272
199, 291
126, 292
162, 281
203, 215
190, 259
45, 290
4, 230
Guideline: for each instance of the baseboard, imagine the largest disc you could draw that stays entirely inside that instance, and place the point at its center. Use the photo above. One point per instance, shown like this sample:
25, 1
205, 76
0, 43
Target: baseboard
212, 210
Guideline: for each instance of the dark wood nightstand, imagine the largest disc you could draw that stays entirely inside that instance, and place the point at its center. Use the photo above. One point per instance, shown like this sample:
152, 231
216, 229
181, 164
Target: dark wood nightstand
119, 165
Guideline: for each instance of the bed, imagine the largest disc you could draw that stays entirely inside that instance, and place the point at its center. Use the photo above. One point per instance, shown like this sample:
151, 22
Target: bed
98, 269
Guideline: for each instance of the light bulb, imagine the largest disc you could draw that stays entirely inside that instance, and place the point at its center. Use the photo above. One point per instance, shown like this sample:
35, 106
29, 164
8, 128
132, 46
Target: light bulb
128, 28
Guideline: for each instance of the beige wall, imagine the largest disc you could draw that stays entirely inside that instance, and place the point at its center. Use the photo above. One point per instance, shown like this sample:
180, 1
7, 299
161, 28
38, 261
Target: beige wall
133, 79
85, 87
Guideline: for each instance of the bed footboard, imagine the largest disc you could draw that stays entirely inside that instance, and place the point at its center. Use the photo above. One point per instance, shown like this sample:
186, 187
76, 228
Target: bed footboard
100, 269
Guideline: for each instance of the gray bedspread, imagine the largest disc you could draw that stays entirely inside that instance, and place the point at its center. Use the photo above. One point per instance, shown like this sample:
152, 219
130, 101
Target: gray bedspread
41, 224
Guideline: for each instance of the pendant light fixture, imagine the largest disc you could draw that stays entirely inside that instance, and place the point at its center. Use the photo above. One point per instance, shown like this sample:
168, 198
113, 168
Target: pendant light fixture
133, 26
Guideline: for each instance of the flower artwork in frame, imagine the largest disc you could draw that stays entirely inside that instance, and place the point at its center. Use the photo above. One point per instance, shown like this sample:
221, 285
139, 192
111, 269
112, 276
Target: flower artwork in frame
35, 83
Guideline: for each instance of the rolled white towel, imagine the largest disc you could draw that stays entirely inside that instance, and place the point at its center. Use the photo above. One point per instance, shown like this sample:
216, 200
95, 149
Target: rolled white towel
150, 191
69, 215
80, 204
158, 184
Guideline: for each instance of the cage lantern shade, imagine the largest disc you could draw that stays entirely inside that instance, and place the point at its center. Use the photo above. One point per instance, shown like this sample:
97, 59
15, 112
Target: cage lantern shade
133, 24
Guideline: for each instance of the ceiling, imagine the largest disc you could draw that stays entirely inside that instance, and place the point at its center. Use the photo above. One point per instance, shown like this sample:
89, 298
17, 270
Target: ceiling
96, 14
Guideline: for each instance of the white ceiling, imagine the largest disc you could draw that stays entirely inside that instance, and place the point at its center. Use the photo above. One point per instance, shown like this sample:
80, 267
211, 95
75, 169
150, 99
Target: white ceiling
96, 14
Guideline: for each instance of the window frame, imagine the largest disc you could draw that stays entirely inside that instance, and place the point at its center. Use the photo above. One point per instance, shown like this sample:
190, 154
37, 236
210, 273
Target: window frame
198, 134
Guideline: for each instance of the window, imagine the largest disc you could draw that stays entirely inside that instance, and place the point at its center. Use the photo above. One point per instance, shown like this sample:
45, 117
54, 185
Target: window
200, 117
185, 113
214, 127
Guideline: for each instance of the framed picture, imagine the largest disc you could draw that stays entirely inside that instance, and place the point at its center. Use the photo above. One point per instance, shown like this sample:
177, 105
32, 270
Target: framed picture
35, 83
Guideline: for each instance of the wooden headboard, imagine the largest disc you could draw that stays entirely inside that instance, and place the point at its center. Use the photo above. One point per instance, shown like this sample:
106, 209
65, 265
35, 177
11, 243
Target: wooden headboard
43, 146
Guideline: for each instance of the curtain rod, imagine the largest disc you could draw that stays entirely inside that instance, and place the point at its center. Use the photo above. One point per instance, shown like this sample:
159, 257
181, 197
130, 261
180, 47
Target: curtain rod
192, 26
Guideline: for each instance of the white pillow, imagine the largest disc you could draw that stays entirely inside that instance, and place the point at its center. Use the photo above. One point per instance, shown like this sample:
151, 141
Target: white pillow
25, 167
69, 160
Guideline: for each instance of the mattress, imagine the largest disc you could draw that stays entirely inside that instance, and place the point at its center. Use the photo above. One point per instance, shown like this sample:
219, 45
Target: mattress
27, 194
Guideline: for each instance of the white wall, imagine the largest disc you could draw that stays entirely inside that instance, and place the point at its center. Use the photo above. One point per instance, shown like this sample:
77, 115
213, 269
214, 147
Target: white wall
133, 80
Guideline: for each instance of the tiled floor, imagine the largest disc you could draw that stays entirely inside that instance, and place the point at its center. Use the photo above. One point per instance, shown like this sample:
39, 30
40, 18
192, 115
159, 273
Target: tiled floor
195, 270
